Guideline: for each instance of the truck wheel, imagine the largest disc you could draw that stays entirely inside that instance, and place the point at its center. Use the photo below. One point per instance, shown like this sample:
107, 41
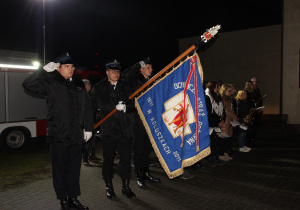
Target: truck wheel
15, 138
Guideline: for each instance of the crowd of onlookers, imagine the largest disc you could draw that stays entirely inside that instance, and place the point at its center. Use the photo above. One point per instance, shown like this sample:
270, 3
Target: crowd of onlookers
230, 112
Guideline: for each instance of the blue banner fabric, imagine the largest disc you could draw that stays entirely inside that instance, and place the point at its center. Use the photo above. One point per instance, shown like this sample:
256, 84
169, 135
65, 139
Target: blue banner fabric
173, 106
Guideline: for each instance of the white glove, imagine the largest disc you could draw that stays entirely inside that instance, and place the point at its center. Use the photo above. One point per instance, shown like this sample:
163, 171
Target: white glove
121, 106
51, 66
87, 135
142, 63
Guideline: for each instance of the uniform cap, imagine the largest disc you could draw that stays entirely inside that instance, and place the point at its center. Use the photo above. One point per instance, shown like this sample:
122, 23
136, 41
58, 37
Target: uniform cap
64, 59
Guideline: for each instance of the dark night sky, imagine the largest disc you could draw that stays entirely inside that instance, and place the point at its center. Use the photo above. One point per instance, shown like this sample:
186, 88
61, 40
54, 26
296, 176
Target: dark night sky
128, 30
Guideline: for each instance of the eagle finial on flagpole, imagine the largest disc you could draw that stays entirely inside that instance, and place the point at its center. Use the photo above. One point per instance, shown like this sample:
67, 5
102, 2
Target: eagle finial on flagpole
210, 33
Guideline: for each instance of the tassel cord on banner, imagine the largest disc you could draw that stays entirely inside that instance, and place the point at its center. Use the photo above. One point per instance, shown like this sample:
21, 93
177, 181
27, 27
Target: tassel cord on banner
193, 70
203, 39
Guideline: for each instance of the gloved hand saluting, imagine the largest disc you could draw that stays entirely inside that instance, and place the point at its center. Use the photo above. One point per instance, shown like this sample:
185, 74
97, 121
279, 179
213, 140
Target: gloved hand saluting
121, 106
51, 66
87, 135
142, 63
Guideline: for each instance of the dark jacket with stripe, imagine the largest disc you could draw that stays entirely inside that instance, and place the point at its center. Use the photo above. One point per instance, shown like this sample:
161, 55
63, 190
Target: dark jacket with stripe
135, 79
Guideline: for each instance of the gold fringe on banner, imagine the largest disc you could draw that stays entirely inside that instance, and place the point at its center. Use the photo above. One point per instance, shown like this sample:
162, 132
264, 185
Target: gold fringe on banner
187, 162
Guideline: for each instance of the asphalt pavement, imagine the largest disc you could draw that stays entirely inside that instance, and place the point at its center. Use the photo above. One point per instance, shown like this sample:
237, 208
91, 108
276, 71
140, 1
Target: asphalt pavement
268, 177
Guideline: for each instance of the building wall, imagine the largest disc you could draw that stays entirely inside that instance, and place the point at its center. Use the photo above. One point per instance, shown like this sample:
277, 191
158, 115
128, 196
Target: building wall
291, 63
235, 57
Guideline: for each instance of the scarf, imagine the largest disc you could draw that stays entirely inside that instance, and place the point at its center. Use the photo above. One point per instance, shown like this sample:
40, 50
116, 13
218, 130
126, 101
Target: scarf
217, 107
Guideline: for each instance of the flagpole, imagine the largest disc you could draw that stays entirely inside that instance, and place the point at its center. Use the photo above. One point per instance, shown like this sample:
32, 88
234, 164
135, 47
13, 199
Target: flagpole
204, 38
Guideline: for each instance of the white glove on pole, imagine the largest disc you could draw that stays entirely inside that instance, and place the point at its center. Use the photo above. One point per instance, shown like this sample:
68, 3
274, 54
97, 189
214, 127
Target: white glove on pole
51, 66
121, 106
87, 135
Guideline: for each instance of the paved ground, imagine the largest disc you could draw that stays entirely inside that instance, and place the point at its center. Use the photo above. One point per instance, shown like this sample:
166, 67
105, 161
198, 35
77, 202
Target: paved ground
268, 177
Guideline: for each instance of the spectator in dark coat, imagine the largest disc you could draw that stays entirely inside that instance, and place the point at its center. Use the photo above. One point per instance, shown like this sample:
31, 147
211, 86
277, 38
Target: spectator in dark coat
243, 110
251, 101
216, 116
259, 103
70, 122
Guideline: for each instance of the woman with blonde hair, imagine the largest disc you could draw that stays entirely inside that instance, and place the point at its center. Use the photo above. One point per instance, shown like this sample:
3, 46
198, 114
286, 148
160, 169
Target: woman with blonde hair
243, 111
226, 95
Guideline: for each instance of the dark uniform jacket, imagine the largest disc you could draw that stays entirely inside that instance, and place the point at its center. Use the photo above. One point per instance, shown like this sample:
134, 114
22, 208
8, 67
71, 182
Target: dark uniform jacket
135, 79
105, 100
69, 107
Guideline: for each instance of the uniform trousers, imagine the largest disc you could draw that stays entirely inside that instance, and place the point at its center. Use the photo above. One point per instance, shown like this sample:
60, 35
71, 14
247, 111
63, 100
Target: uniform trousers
89, 147
110, 146
66, 164
141, 148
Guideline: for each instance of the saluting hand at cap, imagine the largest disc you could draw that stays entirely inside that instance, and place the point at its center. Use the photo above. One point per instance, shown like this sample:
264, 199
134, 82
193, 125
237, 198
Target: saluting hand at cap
51, 66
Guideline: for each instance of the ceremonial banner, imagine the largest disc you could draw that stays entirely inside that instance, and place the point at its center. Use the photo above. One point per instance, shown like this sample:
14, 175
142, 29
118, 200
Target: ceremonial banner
173, 106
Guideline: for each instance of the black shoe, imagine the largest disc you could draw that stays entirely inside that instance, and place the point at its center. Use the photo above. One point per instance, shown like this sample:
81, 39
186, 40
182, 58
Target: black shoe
139, 178
75, 204
94, 158
231, 152
64, 204
198, 166
110, 193
147, 175
186, 174
214, 161
126, 189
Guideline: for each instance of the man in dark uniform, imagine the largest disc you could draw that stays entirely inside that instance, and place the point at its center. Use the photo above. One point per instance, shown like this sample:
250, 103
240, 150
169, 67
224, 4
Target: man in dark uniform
70, 123
136, 76
111, 93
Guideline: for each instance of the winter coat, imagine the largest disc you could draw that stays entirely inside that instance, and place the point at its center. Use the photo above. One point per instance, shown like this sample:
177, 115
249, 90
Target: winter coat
243, 110
230, 116
257, 97
213, 118
69, 106
250, 99
105, 99
135, 79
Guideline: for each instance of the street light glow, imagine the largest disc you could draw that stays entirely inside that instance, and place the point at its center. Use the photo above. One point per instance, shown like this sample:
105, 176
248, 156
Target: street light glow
36, 63
18, 66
